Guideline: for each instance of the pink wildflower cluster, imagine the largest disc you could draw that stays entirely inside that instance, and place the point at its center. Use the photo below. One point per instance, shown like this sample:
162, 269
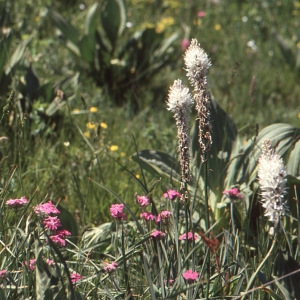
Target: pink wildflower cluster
163, 217
75, 277
172, 195
110, 268
157, 234
116, 210
31, 264
233, 194
143, 200
3, 274
16, 203
190, 276
188, 236
51, 222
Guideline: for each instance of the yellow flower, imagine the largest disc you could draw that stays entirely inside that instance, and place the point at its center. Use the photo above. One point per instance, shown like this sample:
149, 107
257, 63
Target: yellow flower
217, 27
165, 22
297, 4
86, 134
103, 125
93, 109
123, 154
298, 45
137, 176
113, 148
90, 125
76, 110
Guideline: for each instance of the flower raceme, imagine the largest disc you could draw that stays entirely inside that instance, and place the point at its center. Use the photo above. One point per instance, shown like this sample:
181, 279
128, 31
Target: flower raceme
272, 181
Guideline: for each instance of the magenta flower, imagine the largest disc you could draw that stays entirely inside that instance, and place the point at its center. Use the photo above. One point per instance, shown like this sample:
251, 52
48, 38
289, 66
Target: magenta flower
188, 236
172, 195
185, 43
50, 262
3, 274
190, 276
233, 194
143, 200
75, 277
58, 240
32, 263
109, 268
16, 203
201, 14
47, 208
163, 216
147, 216
157, 234
63, 233
116, 211
52, 223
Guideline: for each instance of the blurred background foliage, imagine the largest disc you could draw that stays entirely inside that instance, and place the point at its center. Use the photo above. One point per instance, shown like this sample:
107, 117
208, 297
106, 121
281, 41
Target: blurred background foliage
91, 79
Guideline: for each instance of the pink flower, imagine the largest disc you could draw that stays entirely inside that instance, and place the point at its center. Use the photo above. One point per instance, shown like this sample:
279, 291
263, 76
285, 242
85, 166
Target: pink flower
16, 203
32, 263
75, 277
52, 223
109, 268
188, 236
201, 14
58, 240
190, 276
143, 200
63, 233
172, 195
116, 211
3, 274
185, 44
163, 216
157, 234
50, 262
147, 216
233, 194
47, 208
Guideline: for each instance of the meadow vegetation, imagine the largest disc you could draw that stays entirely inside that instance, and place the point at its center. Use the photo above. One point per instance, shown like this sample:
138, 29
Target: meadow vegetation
104, 195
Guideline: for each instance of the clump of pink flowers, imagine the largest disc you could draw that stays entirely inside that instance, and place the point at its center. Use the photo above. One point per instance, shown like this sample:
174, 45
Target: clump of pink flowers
147, 216
189, 236
75, 277
116, 211
31, 264
16, 203
47, 208
233, 194
143, 200
3, 274
190, 276
110, 268
157, 234
163, 217
52, 223
172, 195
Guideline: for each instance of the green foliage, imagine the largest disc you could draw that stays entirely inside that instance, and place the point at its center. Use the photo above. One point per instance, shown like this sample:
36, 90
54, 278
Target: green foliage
117, 62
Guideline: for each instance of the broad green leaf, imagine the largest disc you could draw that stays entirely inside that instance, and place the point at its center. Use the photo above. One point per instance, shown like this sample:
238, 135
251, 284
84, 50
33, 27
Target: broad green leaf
113, 19
158, 163
286, 271
17, 55
64, 26
91, 20
87, 48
